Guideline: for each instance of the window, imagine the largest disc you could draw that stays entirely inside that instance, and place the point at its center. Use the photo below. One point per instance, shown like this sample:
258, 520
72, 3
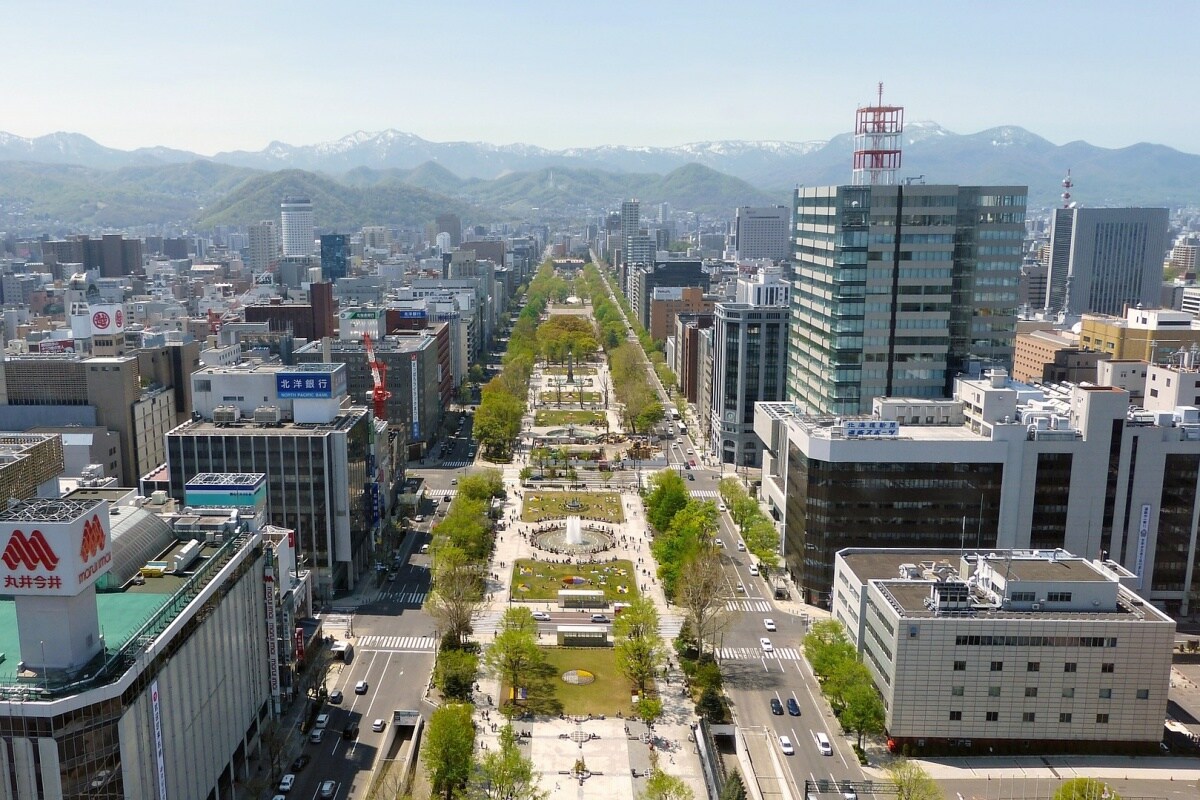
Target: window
997, 666
1143, 694
1108, 667
1069, 666
1058, 597
1031, 691
1102, 719
955, 715
1064, 717
960, 666
1029, 716
993, 691
992, 716
956, 691
1023, 597
1033, 666
1106, 694
1069, 692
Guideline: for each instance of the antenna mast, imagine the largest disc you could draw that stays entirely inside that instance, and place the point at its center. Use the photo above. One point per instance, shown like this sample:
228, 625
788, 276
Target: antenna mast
877, 132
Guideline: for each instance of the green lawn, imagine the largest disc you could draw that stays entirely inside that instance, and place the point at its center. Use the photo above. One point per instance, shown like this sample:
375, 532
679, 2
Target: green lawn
568, 417
552, 396
537, 580
598, 506
608, 694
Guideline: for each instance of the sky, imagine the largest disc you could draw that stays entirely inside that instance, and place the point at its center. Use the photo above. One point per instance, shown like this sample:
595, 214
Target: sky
225, 75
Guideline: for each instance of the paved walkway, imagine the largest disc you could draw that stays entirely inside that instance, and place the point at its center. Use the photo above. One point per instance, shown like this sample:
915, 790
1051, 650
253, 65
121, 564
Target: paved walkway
613, 749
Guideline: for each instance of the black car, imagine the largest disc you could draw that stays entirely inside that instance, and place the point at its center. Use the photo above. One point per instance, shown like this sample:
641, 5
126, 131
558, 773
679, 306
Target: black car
300, 763
691, 477
776, 707
793, 707
335, 697
350, 732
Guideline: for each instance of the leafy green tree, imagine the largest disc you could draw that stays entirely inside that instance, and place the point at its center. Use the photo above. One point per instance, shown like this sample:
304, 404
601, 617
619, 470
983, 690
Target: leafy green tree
733, 789
650, 416
648, 709
448, 749
1085, 789
668, 495
455, 673
487, 484
912, 781
700, 591
638, 647
515, 657
505, 774
525, 474
661, 786
519, 618
863, 712
455, 594
710, 706
846, 674
827, 647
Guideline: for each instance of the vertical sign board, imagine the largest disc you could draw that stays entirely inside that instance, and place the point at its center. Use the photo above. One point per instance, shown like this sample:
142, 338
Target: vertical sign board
272, 637
56, 559
1143, 535
158, 740
416, 429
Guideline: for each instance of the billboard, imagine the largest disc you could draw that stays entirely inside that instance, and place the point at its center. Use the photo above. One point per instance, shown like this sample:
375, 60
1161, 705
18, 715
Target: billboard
107, 318
301, 385
416, 404
855, 428
60, 558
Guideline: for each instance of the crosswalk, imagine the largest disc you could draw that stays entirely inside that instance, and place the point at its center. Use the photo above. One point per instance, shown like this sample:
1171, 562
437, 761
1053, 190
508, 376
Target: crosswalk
748, 605
404, 644
747, 653
439, 493
404, 598
456, 464
337, 621
669, 626
706, 494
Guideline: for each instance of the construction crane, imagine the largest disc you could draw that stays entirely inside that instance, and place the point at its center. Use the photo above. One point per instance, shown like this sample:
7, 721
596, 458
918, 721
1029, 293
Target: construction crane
380, 394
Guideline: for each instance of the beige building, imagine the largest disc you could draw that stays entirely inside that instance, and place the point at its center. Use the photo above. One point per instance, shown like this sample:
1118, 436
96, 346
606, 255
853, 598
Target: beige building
1153, 335
1053, 357
1020, 651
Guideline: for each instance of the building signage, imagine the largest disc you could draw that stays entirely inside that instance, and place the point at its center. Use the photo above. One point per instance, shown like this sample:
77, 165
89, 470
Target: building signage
1143, 535
107, 318
61, 558
158, 740
299, 634
857, 428
368, 314
412, 313
56, 346
416, 406
302, 385
272, 636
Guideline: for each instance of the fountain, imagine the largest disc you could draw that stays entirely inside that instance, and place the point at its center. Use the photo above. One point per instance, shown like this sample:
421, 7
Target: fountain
574, 532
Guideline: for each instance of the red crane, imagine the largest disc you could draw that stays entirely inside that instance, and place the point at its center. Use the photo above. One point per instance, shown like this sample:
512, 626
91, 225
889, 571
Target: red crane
379, 394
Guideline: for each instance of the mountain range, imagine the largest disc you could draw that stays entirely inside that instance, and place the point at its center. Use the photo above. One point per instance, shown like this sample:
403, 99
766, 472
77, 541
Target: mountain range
397, 177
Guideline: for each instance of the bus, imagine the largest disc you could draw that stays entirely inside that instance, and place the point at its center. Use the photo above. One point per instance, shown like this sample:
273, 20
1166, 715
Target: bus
682, 429
675, 414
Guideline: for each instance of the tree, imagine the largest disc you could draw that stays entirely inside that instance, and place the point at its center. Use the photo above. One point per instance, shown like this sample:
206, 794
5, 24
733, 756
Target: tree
455, 594
525, 474
515, 656
700, 591
448, 748
827, 647
638, 648
486, 484
454, 675
648, 709
519, 618
710, 706
863, 712
1085, 789
661, 786
846, 674
733, 789
668, 495
505, 774
650, 416
912, 781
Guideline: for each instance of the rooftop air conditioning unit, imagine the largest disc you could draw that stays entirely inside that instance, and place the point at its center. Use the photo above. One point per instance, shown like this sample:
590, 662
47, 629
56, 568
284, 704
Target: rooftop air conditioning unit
226, 414
267, 415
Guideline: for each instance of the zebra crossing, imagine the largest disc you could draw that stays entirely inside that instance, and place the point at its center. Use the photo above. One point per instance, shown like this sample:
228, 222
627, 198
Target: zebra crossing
487, 623
337, 620
455, 464
706, 494
748, 605
669, 626
440, 493
403, 644
748, 653
404, 598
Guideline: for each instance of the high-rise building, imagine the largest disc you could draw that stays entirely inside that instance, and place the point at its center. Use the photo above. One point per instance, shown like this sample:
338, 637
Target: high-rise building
749, 343
451, 224
899, 288
1104, 259
264, 247
296, 215
762, 232
335, 256
644, 279
630, 224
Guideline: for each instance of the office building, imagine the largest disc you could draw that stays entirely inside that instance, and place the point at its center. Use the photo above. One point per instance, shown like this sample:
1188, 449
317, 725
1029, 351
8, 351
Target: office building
1049, 356
313, 320
1032, 285
451, 224
687, 350
296, 229
263, 249
335, 256
293, 424
1002, 465
898, 289
762, 232
630, 224
30, 463
1154, 335
123, 678
1007, 651
645, 279
667, 302
1103, 260
749, 343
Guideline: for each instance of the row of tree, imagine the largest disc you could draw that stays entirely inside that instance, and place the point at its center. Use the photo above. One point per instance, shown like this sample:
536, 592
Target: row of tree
455, 771
845, 680
757, 530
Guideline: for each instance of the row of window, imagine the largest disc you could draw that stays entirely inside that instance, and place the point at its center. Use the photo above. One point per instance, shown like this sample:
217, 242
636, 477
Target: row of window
1108, 667
1032, 691
1027, 716
1038, 641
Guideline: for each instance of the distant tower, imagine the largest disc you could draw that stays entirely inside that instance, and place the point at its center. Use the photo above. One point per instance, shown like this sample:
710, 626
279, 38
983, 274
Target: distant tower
1066, 195
877, 132
296, 214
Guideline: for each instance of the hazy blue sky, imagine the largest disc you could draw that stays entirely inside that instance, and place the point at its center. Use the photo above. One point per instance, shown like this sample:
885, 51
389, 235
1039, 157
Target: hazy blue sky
225, 74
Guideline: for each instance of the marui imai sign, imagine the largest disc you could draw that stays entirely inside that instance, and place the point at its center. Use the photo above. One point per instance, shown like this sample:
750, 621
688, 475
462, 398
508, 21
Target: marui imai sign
55, 558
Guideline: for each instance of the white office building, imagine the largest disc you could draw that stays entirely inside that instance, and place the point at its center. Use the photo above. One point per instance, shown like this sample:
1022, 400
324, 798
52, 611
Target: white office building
1021, 651
297, 234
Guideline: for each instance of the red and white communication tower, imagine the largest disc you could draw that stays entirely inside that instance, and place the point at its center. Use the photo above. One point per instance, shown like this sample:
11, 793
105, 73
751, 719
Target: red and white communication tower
1066, 195
877, 132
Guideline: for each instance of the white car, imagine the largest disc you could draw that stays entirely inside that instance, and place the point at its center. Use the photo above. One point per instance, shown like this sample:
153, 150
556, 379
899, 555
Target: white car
766, 645
824, 745
769, 624
753, 569
741, 546
721, 507
328, 789
785, 744
316, 736
541, 616
378, 725
286, 783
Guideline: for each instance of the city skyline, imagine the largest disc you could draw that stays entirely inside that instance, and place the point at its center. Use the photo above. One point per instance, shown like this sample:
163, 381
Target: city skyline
267, 72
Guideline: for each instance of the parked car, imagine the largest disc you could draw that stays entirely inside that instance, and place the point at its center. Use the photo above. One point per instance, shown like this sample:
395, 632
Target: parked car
329, 788
316, 736
599, 618
776, 707
741, 546
754, 569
